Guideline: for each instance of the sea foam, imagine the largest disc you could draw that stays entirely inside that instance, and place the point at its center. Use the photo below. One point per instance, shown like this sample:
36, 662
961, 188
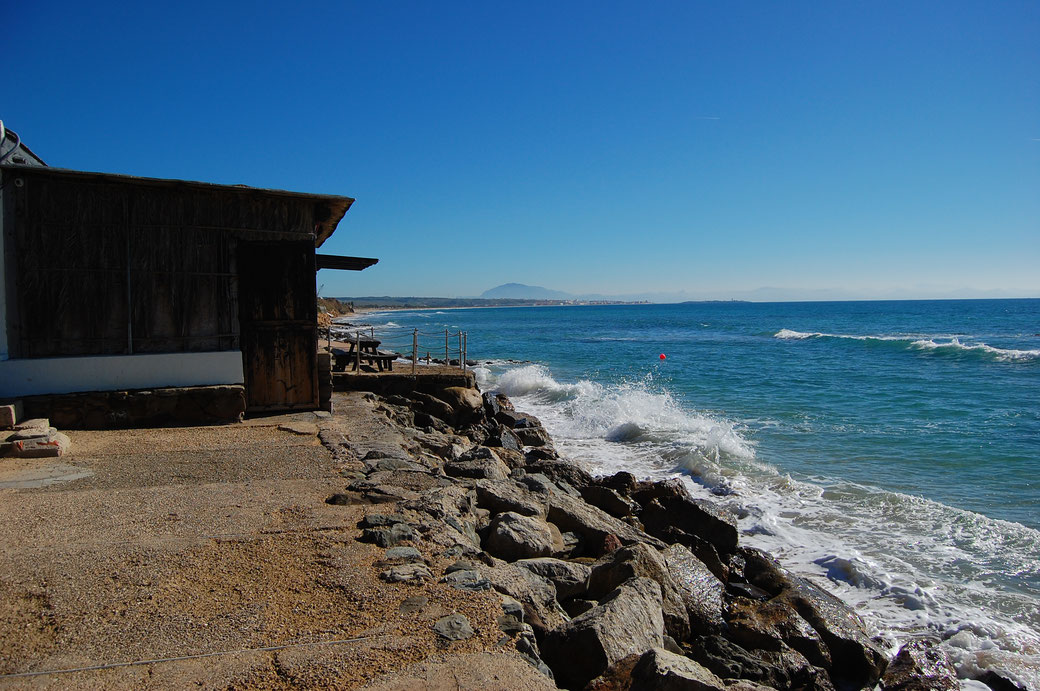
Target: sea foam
940, 345
908, 565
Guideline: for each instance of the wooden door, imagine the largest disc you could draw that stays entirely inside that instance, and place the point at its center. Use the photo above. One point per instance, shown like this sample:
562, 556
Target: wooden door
279, 330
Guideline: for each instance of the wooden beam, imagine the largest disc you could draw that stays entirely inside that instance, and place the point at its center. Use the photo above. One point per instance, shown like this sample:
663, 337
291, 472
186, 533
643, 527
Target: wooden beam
332, 261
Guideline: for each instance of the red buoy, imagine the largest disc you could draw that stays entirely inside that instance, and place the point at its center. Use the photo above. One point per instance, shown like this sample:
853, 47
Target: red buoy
662, 356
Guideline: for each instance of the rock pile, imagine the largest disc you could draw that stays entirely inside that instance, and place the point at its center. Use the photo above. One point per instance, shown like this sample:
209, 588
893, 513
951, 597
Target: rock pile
605, 583
33, 438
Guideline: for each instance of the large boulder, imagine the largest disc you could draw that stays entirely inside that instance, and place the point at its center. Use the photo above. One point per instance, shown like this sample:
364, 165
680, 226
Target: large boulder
857, 659
768, 625
594, 525
640, 560
660, 670
627, 621
478, 463
609, 500
920, 665
669, 504
537, 595
514, 536
779, 669
499, 496
561, 471
465, 401
570, 578
700, 590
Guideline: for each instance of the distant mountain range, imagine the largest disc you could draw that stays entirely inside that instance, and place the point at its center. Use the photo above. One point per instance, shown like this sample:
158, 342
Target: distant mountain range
519, 291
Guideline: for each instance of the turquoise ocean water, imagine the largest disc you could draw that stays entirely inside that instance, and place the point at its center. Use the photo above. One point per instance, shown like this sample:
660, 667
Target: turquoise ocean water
889, 450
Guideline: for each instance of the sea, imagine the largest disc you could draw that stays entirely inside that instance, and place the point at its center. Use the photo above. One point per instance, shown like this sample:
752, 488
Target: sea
887, 450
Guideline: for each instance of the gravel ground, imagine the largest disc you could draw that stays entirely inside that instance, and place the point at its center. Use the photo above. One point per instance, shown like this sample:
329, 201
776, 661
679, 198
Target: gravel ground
217, 541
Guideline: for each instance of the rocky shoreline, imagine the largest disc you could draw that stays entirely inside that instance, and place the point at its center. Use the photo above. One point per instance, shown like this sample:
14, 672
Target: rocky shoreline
605, 583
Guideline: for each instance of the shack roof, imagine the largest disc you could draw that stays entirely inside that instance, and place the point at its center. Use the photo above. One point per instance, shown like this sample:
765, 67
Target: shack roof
331, 207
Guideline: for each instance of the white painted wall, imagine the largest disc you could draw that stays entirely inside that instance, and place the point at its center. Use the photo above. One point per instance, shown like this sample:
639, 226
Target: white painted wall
34, 376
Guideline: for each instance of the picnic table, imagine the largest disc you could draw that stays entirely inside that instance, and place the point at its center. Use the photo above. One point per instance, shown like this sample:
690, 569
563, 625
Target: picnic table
369, 352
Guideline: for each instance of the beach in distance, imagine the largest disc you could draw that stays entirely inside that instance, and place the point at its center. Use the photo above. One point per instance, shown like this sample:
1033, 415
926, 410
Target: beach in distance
887, 449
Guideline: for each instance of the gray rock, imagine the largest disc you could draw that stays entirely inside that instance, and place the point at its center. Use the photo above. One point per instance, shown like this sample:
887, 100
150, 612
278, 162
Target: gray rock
921, 665
407, 573
640, 560
380, 520
504, 438
627, 621
857, 660
669, 504
779, 669
509, 496
561, 471
766, 624
454, 627
594, 525
536, 594
478, 463
401, 555
533, 436
537, 482
433, 406
570, 578
413, 604
513, 536
415, 481
388, 537
701, 592
471, 581
609, 500
661, 670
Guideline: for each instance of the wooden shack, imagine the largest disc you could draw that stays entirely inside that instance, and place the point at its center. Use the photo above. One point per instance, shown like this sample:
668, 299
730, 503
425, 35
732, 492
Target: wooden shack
111, 282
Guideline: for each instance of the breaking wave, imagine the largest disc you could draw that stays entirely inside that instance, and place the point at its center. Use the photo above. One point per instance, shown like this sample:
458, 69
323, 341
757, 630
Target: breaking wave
939, 345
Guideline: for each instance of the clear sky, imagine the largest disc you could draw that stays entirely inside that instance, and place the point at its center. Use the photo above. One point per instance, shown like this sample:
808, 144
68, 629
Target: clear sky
824, 149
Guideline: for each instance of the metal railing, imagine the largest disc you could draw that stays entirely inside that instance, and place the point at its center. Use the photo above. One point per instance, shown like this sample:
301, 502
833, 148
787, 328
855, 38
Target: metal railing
428, 345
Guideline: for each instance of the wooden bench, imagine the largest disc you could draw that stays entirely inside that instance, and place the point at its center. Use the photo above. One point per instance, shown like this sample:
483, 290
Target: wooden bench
379, 358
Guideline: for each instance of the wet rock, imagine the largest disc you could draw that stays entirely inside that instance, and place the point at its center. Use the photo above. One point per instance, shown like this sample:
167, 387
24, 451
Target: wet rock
503, 438
609, 500
668, 503
594, 525
701, 592
661, 670
920, 665
781, 669
512, 458
857, 660
558, 471
533, 436
407, 573
540, 453
627, 621
478, 463
509, 496
766, 625
454, 627
640, 560
570, 578
622, 482
513, 536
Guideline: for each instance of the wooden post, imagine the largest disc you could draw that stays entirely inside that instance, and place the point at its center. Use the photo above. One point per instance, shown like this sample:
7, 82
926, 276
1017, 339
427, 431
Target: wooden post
357, 351
462, 361
465, 349
415, 348
447, 359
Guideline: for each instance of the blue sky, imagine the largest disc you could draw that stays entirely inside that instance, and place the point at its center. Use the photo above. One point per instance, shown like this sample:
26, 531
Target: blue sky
812, 149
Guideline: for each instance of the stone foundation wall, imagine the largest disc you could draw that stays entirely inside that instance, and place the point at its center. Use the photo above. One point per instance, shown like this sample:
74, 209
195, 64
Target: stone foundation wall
196, 405
400, 384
